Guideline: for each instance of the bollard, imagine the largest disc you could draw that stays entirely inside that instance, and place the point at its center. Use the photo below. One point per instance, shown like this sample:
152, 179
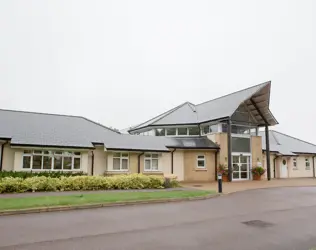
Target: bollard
219, 180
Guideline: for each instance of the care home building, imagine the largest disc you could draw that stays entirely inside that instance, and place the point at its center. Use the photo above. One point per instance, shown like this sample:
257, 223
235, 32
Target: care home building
189, 141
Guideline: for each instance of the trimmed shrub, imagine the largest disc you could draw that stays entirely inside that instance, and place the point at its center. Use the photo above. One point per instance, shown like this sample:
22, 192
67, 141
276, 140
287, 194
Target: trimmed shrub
42, 183
26, 174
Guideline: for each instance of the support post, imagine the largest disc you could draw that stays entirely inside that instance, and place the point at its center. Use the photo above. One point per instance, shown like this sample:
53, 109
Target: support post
314, 166
268, 152
229, 149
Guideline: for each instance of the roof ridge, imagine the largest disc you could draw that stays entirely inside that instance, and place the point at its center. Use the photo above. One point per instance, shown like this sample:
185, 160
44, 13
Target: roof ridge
293, 137
162, 115
232, 93
51, 114
39, 113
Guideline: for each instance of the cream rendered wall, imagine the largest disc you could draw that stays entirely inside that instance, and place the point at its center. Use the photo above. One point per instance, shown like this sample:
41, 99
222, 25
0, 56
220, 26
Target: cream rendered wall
100, 161
178, 164
164, 163
8, 158
264, 164
301, 168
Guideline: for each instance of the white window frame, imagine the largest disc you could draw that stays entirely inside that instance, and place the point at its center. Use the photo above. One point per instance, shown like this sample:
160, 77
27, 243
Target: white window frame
307, 164
295, 164
52, 154
121, 157
199, 159
149, 157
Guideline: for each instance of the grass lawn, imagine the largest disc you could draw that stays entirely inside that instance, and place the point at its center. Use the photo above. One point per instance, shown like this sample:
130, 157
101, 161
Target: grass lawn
96, 198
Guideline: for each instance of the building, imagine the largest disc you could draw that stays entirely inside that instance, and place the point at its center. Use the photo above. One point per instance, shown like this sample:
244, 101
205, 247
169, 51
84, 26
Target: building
189, 141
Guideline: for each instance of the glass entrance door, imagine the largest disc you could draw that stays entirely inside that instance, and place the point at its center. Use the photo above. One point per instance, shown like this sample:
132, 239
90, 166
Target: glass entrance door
241, 166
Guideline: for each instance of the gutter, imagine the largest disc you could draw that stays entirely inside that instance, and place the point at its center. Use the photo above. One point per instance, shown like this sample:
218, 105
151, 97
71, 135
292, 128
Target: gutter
172, 160
92, 164
139, 161
2, 150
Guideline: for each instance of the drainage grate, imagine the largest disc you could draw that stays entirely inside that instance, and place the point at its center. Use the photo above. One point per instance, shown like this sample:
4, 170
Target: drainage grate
258, 223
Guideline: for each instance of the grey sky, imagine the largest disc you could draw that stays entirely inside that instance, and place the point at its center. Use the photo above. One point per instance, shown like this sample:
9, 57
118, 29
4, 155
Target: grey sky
123, 62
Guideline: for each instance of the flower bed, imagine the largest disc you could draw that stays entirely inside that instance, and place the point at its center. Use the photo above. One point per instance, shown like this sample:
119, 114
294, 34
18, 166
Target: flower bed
42, 183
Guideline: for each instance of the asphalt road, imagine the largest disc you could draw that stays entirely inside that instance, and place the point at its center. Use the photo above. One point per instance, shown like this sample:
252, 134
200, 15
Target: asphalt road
287, 220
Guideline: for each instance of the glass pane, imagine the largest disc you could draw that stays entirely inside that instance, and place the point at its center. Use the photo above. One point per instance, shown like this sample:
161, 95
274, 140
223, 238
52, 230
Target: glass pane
37, 152
244, 175
147, 164
37, 162
206, 129
240, 144
235, 167
243, 167
194, 131
116, 164
46, 152
76, 163
201, 164
58, 152
27, 151
200, 156
148, 155
67, 162
235, 175
182, 131
214, 128
57, 162
224, 127
154, 156
47, 162
243, 159
160, 132
124, 164
117, 155
124, 154
235, 159
171, 131
66, 153
77, 153
26, 161
154, 164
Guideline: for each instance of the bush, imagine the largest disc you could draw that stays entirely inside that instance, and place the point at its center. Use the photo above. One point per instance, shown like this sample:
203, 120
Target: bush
26, 174
258, 171
42, 183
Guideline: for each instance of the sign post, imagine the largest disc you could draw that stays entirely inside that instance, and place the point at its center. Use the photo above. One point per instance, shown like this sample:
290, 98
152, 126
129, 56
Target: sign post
219, 180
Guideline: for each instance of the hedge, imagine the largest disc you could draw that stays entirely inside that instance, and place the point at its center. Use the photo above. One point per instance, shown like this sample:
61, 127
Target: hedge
24, 174
42, 183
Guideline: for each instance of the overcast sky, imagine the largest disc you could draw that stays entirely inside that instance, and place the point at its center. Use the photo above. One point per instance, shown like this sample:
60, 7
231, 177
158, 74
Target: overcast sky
123, 62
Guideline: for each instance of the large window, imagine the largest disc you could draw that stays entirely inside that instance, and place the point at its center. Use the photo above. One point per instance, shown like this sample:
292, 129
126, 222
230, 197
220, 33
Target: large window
194, 131
120, 161
171, 131
210, 129
307, 164
51, 160
151, 162
181, 131
241, 145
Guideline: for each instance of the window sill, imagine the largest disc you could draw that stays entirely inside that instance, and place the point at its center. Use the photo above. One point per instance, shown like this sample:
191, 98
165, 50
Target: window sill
201, 169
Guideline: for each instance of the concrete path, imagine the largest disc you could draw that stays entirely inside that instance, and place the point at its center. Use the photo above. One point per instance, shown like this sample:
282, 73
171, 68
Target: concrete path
230, 187
275, 218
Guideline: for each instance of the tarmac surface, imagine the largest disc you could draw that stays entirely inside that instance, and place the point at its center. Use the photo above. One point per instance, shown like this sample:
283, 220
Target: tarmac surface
274, 218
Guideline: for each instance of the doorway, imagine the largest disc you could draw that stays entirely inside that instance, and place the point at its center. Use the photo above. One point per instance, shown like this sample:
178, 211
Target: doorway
241, 166
284, 168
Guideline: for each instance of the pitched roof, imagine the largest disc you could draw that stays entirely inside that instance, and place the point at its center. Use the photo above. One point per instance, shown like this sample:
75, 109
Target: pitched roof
287, 145
219, 108
51, 130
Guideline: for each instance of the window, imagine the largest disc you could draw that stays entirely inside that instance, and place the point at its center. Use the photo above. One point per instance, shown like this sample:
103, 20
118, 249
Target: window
295, 164
171, 131
51, 160
160, 132
241, 145
210, 129
120, 161
182, 131
201, 161
194, 131
307, 164
151, 162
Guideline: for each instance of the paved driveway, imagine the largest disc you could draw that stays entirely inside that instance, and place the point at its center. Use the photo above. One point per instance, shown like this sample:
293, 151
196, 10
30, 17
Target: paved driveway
288, 221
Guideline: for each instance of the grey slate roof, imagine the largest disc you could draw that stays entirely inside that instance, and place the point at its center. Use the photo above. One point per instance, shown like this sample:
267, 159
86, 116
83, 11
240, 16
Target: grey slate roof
223, 107
38, 129
287, 145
